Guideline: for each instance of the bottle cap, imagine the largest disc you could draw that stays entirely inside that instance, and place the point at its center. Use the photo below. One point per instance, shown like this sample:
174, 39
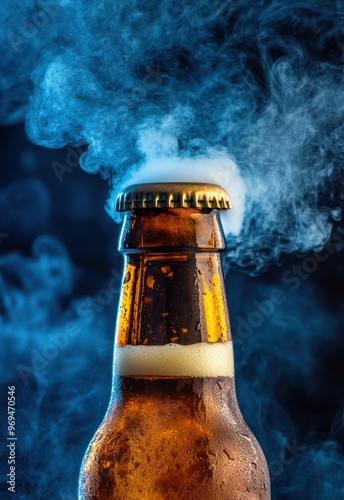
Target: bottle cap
172, 195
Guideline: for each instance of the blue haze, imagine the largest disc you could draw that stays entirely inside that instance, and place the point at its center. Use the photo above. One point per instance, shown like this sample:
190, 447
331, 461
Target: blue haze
130, 82
260, 82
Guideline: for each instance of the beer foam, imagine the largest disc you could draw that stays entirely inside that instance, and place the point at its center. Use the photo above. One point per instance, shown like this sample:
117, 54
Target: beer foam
202, 359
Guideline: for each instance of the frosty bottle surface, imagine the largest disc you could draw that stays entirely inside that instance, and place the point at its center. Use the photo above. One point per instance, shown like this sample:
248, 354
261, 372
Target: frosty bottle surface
173, 429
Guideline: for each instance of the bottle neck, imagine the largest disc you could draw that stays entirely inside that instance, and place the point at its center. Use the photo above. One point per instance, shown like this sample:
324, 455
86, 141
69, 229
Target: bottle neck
173, 296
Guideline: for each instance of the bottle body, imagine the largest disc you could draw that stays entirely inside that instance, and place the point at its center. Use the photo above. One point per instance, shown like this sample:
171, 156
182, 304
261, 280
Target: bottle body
173, 429
175, 439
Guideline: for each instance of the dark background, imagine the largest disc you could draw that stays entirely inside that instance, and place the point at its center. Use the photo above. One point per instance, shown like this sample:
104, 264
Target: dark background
58, 249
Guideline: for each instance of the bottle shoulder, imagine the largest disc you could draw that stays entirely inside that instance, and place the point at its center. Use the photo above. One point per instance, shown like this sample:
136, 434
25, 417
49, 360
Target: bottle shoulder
194, 409
188, 441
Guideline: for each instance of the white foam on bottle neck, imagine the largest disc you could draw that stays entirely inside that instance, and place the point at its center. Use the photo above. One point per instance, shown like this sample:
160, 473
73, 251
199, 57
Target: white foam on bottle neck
202, 359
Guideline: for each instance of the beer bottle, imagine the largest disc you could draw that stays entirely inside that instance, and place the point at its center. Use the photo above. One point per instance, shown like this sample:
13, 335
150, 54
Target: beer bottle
173, 429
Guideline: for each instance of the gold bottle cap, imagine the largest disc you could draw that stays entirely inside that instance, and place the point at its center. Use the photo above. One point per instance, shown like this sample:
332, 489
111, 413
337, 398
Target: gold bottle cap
172, 195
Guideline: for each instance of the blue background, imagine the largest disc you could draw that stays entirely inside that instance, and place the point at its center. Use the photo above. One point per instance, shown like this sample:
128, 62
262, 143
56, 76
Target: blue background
58, 250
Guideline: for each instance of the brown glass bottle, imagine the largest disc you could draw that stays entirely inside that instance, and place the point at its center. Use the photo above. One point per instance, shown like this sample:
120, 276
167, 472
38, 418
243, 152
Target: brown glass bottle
173, 429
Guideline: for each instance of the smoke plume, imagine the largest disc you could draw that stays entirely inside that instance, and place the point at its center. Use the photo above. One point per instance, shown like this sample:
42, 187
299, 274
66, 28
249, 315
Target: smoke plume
240, 93
254, 88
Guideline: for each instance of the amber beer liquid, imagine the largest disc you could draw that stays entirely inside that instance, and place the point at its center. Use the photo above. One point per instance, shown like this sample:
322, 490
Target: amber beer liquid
173, 429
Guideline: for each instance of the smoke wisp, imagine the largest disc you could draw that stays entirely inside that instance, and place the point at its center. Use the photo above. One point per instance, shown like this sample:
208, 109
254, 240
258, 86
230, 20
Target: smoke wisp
146, 85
